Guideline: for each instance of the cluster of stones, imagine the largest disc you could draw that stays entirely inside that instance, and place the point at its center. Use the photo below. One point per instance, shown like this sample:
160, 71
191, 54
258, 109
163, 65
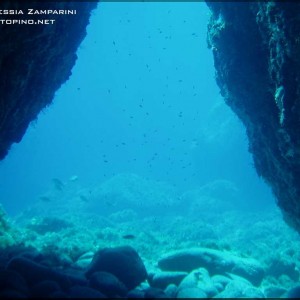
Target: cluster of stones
120, 272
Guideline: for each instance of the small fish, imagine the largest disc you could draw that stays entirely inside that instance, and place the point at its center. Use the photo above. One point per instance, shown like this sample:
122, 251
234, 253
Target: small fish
73, 178
128, 237
83, 198
109, 203
194, 144
45, 199
58, 184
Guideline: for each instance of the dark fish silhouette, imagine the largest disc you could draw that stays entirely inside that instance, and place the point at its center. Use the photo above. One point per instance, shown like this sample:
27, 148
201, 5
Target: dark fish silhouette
110, 203
83, 198
58, 184
128, 237
45, 199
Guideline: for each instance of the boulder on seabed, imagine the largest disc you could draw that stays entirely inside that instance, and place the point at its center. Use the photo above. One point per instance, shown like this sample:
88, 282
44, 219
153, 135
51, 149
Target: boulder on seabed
85, 292
34, 273
274, 291
240, 288
84, 260
122, 262
198, 279
293, 292
171, 290
107, 284
214, 261
163, 279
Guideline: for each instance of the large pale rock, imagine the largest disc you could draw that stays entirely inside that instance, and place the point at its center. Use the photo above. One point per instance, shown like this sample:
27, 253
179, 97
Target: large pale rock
240, 289
215, 261
198, 279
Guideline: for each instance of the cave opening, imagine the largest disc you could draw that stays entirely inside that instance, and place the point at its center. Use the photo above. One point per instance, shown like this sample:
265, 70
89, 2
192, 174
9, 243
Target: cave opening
139, 98
139, 137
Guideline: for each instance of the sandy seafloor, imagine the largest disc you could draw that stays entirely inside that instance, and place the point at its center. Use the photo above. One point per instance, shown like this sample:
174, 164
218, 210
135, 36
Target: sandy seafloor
69, 220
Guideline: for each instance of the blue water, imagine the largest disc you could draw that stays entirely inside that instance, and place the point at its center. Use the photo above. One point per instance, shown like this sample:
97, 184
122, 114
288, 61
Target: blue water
142, 99
139, 149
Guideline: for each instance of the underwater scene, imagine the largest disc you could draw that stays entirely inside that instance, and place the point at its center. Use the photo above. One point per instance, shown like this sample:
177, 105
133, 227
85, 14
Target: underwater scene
138, 181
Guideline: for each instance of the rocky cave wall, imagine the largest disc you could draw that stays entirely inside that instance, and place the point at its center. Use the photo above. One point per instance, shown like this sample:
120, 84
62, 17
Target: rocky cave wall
256, 49
35, 60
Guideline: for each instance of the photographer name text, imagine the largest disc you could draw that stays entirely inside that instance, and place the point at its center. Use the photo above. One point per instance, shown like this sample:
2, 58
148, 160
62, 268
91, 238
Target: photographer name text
8, 13
31, 11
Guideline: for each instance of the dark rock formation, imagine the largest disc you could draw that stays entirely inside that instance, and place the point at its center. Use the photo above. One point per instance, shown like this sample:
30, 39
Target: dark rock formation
161, 280
107, 284
10, 280
122, 262
84, 292
154, 293
256, 48
35, 60
35, 273
24, 277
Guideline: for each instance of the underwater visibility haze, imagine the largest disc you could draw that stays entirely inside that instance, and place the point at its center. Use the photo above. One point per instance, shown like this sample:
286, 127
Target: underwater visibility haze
142, 99
139, 149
